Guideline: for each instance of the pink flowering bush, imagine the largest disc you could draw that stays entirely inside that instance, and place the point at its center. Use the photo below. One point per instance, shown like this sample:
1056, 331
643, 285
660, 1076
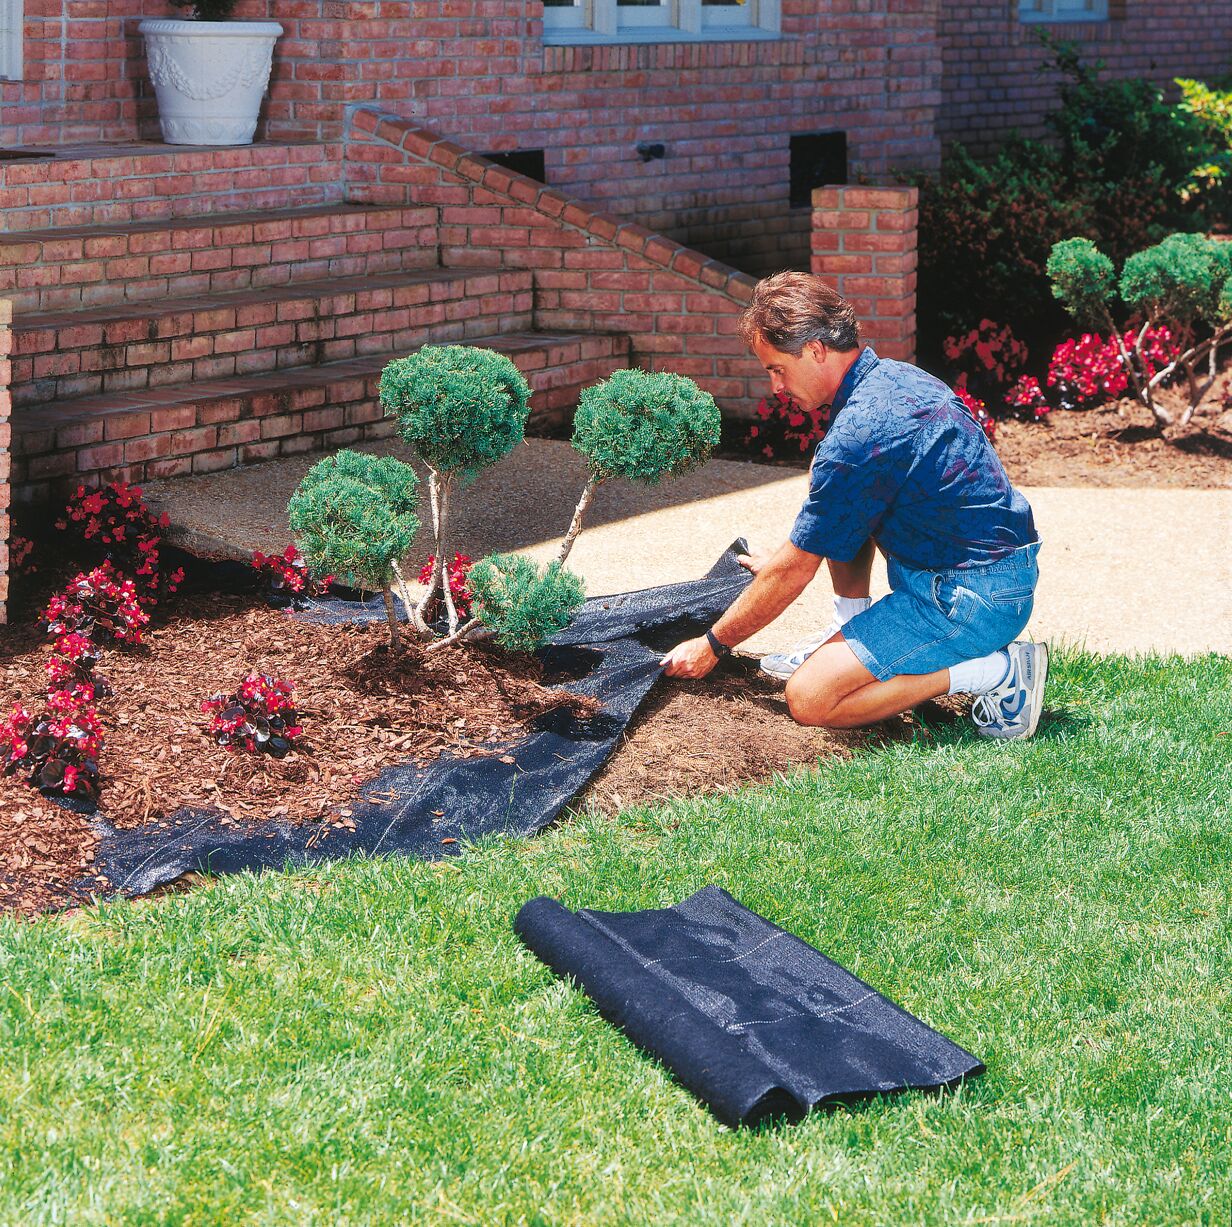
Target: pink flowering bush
979, 411
73, 664
783, 427
287, 577
1026, 399
98, 605
987, 357
115, 525
1091, 370
456, 576
258, 716
57, 750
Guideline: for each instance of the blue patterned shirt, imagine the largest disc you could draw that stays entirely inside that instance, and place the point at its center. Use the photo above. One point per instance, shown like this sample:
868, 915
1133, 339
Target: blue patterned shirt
904, 462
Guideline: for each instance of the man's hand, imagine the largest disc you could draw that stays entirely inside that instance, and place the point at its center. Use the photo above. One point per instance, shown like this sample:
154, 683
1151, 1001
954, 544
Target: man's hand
693, 658
754, 561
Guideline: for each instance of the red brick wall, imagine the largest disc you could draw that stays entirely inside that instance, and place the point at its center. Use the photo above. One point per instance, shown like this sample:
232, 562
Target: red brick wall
6, 315
864, 244
477, 71
591, 271
993, 81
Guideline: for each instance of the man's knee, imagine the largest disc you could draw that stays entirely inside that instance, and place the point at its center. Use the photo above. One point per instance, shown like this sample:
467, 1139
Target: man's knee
810, 706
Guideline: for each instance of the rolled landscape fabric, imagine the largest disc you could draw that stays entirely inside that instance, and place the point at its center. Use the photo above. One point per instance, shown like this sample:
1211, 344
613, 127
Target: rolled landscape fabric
753, 1021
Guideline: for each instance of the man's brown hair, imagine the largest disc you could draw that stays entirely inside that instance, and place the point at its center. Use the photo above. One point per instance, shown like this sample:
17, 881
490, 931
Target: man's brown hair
791, 309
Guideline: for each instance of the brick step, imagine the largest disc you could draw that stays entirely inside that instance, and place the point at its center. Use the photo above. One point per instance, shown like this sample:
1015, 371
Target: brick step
89, 185
210, 425
64, 268
133, 346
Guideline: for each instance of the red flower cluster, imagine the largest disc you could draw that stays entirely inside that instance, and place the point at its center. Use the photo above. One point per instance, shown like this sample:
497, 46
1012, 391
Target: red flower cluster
784, 424
287, 574
455, 574
20, 549
98, 605
1089, 371
116, 520
57, 750
987, 354
258, 716
1027, 397
72, 664
978, 411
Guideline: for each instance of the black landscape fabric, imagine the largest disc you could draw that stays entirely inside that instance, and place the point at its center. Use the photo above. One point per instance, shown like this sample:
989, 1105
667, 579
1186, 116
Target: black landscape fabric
753, 1021
612, 648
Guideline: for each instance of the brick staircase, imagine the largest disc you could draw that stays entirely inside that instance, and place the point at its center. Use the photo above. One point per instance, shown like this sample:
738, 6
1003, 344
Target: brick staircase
181, 311
164, 324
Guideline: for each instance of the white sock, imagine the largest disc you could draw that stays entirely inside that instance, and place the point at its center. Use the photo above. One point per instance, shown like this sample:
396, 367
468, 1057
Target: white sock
981, 675
846, 607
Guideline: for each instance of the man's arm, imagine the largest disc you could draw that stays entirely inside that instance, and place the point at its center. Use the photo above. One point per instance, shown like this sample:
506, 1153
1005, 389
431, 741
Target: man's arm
776, 584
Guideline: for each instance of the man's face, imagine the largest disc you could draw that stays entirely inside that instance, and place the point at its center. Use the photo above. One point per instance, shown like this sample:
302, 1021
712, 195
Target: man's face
812, 379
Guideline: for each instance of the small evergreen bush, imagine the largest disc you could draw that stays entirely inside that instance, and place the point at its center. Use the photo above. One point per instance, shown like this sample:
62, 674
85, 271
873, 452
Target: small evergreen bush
645, 425
460, 408
354, 516
522, 605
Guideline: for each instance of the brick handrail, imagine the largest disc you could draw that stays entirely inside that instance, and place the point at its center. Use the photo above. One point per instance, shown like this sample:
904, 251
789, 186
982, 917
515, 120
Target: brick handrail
474, 168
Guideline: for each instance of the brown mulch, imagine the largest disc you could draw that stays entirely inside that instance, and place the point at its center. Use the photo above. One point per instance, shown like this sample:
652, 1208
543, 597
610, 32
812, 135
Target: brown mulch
730, 730
363, 708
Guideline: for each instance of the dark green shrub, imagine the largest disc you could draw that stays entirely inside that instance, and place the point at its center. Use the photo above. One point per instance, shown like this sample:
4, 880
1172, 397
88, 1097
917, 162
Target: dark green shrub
645, 425
460, 408
354, 516
641, 425
520, 603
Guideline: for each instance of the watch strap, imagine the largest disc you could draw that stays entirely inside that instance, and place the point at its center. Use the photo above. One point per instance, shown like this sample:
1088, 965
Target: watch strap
718, 648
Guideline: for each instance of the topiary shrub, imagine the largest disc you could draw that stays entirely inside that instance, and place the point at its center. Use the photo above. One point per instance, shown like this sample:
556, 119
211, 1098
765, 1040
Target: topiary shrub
460, 408
643, 426
1180, 288
355, 516
521, 604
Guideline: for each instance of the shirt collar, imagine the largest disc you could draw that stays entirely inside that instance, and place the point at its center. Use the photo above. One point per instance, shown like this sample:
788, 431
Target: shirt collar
861, 367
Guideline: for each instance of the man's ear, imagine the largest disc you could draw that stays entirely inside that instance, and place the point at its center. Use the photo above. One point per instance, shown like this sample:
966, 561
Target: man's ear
816, 350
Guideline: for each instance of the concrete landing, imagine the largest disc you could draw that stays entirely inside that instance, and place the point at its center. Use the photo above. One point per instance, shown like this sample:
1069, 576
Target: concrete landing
1122, 570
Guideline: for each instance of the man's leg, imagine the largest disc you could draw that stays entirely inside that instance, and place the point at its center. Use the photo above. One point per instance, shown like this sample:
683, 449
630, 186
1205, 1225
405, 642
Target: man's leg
851, 582
832, 689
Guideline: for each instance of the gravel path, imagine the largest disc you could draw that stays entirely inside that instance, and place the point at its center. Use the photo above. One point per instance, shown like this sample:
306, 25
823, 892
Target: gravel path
1122, 570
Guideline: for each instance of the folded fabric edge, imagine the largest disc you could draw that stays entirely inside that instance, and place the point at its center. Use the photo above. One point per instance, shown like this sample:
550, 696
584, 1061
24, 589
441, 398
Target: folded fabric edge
736, 1085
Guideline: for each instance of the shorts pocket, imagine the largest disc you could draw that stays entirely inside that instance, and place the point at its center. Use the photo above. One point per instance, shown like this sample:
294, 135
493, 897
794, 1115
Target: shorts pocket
1012, 596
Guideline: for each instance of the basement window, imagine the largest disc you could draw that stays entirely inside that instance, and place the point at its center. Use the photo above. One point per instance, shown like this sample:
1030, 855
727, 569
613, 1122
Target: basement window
1062, 10
818, 159
528, 162
11, 33
658, 21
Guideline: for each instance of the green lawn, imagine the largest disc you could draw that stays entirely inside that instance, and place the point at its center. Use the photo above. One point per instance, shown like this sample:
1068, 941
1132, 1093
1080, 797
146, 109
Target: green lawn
370, 1043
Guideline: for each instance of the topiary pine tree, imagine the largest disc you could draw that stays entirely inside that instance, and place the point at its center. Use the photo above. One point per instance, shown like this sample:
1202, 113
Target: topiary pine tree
1184, 283
355, 515
522, 605
644, 426
461, 409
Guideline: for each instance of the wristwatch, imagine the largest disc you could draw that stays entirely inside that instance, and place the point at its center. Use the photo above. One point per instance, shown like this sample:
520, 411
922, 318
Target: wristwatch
719, 649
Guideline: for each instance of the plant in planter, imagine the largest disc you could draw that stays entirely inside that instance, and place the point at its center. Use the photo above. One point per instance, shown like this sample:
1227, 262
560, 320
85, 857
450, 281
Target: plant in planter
460, 409
355, 517
643, 426
258, 716
209, 73
1180, 290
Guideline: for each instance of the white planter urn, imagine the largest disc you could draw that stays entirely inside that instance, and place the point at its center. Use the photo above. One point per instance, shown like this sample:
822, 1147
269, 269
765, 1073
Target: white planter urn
209, 77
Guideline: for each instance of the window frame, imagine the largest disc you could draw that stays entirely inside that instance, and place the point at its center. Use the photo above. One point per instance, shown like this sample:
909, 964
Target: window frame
602, 21
1062, 11
12, 36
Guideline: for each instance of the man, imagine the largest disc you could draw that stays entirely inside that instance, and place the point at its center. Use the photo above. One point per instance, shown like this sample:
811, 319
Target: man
905, 468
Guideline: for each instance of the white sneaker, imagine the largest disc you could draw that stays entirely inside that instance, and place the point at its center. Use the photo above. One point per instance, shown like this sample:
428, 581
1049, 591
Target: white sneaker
1013, 708
782, 665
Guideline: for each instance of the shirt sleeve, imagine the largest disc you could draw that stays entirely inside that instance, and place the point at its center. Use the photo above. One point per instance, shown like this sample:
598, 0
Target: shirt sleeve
851, 486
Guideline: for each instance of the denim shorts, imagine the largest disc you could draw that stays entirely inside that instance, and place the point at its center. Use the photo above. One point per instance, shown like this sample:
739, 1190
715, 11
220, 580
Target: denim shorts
934, 619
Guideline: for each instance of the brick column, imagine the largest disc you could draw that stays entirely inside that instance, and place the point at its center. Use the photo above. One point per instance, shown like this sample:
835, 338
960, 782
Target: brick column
864, 243
6, 342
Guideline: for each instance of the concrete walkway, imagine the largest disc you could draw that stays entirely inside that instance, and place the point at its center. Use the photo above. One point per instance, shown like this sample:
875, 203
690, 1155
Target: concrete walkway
1122, 570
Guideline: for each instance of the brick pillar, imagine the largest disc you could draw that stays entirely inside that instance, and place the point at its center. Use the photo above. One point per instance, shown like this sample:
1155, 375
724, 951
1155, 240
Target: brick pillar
864, 243
6, 342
